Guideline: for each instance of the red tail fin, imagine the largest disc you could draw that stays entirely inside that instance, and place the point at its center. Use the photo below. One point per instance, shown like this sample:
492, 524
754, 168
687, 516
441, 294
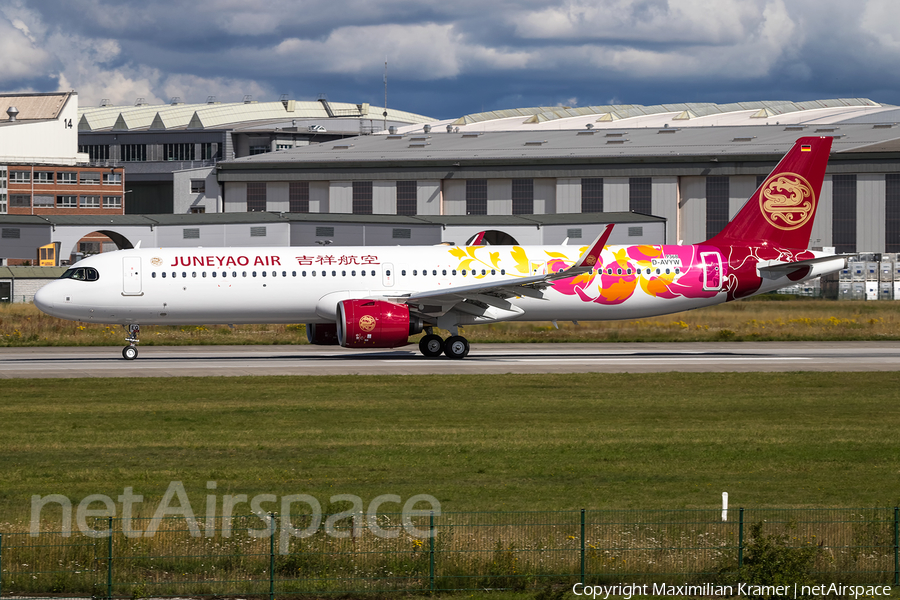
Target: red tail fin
782, 210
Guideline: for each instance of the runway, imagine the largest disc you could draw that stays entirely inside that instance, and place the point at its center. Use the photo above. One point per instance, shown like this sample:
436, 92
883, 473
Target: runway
207, 361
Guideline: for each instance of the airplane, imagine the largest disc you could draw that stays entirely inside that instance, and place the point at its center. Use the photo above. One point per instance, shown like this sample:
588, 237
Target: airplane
377, 297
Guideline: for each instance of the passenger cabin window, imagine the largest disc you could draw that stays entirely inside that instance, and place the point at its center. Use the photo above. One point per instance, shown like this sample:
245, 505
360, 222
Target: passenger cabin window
81, 274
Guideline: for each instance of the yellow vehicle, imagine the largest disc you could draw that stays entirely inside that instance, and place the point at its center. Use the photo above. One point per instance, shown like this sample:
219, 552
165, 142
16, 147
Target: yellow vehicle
48, 256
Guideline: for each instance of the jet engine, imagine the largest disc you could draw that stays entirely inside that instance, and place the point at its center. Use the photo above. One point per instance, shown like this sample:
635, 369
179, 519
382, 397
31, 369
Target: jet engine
322, 334
375, 324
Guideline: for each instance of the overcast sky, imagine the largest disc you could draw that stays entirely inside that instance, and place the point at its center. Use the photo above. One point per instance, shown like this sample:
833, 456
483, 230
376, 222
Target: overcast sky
449, 58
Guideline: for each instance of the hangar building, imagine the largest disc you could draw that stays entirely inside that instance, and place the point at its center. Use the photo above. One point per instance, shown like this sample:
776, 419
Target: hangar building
692, 164
169, 151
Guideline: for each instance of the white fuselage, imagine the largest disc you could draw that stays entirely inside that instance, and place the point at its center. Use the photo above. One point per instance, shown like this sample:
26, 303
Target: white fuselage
303, 285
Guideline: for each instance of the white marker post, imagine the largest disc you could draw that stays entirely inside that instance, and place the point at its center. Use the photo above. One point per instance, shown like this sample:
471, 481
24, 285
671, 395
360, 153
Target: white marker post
724, 506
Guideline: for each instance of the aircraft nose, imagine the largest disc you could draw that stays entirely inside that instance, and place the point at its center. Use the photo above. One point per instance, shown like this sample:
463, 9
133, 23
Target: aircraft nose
42, 299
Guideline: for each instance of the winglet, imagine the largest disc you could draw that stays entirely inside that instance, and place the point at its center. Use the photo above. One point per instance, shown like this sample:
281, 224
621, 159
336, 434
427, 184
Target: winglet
478, 240
592, 256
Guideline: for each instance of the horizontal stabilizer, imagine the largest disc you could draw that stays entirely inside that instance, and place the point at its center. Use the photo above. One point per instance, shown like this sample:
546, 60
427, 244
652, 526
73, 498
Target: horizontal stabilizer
788, 267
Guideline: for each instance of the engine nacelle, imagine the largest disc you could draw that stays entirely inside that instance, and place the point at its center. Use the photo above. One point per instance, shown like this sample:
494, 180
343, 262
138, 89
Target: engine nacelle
375, 324
322, 334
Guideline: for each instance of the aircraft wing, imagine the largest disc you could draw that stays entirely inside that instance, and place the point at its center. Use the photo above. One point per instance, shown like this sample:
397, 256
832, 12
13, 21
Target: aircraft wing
494, 293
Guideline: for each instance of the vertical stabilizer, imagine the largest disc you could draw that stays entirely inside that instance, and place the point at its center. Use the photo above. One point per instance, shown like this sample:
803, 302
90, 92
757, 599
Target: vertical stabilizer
783, 209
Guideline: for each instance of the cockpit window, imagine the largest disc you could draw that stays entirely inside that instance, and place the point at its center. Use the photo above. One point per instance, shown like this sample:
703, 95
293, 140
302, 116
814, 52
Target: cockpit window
82, 274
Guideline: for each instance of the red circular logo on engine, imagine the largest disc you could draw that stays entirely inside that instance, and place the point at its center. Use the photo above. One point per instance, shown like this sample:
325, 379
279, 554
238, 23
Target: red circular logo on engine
367, 323
787, 201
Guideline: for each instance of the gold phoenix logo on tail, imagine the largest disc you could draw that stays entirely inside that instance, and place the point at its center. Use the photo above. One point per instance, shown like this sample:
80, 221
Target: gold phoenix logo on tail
787, 201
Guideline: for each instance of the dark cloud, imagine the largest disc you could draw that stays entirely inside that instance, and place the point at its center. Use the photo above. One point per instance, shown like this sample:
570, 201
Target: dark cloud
448, 59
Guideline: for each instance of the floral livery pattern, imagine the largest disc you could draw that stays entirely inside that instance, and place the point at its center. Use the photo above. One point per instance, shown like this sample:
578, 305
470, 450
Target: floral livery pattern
665, 272
469, 259
661, 271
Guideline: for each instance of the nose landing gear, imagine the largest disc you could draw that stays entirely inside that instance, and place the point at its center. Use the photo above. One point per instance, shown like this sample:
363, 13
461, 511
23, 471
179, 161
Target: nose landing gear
130, 351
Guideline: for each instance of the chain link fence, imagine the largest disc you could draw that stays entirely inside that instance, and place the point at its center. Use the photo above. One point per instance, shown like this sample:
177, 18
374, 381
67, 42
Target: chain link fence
357, 553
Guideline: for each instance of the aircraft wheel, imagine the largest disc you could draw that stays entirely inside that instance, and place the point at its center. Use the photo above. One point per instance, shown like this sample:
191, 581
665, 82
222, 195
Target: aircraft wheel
129, 352
456, 347
431, 345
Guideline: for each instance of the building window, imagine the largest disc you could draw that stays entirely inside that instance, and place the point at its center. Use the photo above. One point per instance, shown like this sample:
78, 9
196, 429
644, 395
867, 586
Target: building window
178, 151
20, 176
112, 179
45, 201
133, 152
67, 201
112, 201
90, 202
717, 193
257, 232
892, 213
198, 186
259, 149
11, 233
2, 204
20, 200
843, 219
574, 234
192, 233
362, 197
43, 177
476, 196
592, 195
407, 198
198, 210
298, 197
640, 192
324, 231
635, 231
69, 177
401, 234
279, 147
2, 177
89, 178
208, 151
523, 196
95, 151
256, 197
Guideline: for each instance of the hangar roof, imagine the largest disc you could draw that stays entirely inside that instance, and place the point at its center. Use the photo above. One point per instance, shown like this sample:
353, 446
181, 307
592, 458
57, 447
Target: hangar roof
33, 107
213, 115
103, 221
675, 115
633, 144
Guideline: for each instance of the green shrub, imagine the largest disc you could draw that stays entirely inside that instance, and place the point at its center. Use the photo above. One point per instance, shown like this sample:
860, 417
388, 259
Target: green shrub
771, 560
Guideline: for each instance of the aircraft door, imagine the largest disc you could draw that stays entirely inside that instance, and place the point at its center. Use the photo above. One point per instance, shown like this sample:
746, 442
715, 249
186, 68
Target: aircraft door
387, 274
131, 276
712, 270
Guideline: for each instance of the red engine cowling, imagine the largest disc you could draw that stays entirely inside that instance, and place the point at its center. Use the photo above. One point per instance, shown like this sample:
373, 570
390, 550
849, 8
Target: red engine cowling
322, 334
374, 324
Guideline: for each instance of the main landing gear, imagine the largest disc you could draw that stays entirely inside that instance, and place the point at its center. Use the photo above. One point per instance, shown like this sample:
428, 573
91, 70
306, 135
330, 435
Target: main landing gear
432, 346
130, 351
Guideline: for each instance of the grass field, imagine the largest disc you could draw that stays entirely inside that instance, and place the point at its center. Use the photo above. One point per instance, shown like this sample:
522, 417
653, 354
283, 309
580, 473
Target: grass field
491, 443
770, 317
